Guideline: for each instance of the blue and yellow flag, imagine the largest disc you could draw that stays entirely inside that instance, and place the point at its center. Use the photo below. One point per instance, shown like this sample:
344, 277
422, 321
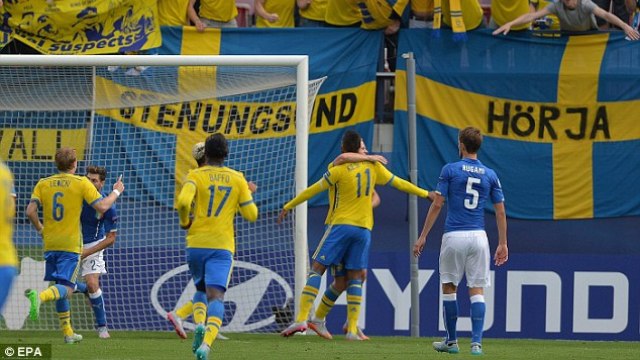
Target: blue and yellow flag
559, 117
83, 27
348, 58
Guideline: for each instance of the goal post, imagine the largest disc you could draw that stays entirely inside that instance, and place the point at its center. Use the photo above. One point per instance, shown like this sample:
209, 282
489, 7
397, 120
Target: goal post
131, 121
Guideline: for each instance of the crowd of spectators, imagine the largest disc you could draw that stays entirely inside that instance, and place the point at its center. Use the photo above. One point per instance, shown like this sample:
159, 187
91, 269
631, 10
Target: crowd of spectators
390, 15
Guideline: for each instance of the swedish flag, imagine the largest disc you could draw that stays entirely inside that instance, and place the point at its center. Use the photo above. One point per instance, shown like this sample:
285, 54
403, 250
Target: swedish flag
558, 117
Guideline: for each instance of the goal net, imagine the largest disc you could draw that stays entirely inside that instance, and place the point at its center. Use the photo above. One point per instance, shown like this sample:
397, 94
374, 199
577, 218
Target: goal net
140, 116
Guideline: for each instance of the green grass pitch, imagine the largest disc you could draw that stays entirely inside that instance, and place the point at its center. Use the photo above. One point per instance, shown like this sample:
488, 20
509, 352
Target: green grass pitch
143, 345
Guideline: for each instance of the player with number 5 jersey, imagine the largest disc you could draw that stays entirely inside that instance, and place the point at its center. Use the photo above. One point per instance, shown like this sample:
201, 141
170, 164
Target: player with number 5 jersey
217, 193
466, 185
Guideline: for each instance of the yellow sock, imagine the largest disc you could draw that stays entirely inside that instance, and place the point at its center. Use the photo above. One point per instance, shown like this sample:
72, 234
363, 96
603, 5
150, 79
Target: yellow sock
65, 323
328, 300
213, 327
49, 294
185, 310
354, 298
199, 313
309, 294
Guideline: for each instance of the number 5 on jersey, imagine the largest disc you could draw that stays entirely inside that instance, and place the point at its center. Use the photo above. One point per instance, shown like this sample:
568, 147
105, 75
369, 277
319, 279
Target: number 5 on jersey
475, 195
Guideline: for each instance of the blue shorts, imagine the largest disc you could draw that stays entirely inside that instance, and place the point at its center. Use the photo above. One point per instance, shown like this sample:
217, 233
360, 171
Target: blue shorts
62, 267
210, 267
346, 244
338, 270
7, 274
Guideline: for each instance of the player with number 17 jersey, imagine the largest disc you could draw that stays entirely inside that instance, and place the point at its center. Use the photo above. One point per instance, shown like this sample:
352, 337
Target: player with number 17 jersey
217, 193
467, 184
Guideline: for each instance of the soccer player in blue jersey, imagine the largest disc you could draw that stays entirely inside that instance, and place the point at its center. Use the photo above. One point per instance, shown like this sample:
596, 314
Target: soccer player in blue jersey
61, 196
8, 255
217, 193
466, 185
98, 233
347, 238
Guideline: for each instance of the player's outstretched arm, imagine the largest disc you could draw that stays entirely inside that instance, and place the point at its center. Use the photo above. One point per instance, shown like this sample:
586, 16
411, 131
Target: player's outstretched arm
105, 204
305, 195
432, 216
405, 186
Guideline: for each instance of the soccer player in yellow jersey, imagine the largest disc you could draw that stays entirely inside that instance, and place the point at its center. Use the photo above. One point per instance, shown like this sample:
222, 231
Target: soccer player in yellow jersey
339, 283
347, 238
217, 193
60, 196
178, 316
8, 254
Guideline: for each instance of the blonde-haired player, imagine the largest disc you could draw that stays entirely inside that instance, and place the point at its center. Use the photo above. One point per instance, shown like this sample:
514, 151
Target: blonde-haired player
60, 196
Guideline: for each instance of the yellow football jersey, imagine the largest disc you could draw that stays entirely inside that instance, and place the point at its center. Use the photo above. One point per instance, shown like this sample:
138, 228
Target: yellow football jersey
8, 255
354, 185
216, 192
315, 11
504, 11
60, 197
342, 12
218, 10
284, 9
173, 12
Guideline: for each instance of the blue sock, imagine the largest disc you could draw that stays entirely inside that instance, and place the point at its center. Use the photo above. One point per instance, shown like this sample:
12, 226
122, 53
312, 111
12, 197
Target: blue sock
200, 297
450, 309
62, 290
478, 309
81, 287
215, 308
62, 305
97, 303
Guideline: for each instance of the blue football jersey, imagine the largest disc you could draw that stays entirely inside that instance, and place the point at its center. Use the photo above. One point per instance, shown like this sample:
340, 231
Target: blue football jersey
466, 185
94, 225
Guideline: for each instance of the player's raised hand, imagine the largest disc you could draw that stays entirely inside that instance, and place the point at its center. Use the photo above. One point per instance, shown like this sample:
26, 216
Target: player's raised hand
502, 255
282, 215
119, 185
252, 187
378, 158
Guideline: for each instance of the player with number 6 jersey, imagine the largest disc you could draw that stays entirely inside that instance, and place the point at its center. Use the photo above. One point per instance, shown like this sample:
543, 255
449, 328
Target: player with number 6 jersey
60, 196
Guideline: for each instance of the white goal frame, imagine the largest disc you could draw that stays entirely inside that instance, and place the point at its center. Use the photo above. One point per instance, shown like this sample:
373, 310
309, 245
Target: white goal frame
300, 62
